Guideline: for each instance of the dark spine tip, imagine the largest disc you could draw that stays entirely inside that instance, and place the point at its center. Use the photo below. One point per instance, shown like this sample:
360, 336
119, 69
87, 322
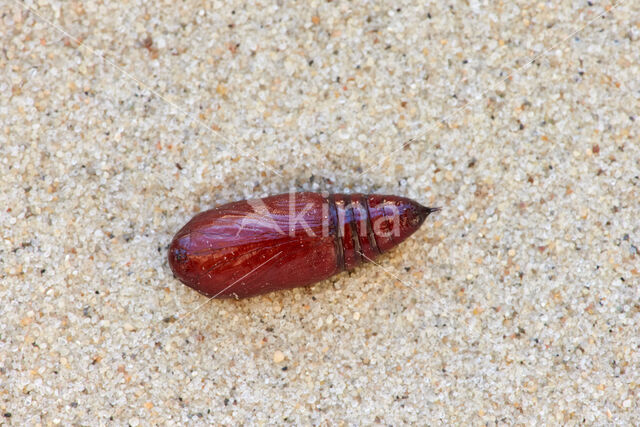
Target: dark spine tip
423, 212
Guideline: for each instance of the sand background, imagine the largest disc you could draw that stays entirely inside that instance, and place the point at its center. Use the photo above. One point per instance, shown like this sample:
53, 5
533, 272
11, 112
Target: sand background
518, 303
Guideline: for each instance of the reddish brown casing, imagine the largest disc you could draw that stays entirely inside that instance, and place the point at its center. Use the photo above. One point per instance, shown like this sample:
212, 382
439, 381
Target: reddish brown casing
251, 247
